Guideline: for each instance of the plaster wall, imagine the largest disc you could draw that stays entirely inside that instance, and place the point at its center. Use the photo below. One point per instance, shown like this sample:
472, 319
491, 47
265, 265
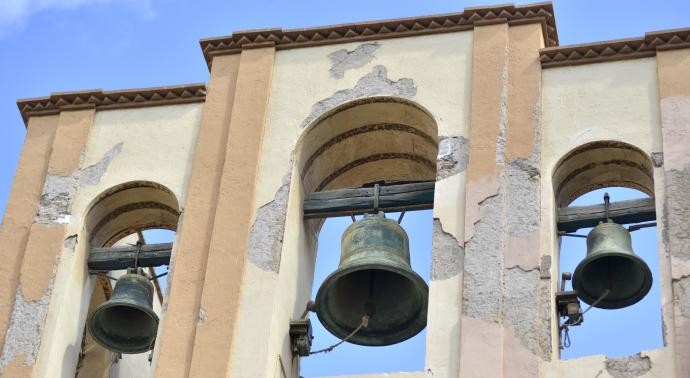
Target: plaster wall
307, 83
161, 138
615, 101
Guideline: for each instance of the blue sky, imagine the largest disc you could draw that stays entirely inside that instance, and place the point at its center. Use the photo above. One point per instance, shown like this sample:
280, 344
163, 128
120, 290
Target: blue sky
61, 45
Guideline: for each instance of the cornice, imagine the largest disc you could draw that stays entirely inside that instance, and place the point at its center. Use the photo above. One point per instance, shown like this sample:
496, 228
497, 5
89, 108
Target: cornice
98, 99
607, 51
404, 27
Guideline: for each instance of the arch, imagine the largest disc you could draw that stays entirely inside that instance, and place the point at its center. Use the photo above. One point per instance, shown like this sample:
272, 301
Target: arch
130, 207
601, 164
373, 139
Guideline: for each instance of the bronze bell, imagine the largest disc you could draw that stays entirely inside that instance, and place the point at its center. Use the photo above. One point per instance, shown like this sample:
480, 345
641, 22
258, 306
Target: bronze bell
374, 278
611, 265
126, 323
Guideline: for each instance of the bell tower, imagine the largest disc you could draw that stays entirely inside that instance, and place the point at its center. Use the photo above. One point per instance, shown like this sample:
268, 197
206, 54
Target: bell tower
479, 116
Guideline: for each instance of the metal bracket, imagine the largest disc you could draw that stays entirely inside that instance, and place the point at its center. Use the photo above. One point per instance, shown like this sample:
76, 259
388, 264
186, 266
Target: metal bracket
568, 306
301, 337
567, 303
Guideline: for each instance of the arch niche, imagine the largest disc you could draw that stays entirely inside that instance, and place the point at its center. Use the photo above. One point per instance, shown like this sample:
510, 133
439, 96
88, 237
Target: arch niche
369, 140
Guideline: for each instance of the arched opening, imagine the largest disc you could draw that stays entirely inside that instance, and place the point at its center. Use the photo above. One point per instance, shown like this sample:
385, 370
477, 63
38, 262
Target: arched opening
128, 208
602, 164
581, 179
364, 141
375, 140
135, 212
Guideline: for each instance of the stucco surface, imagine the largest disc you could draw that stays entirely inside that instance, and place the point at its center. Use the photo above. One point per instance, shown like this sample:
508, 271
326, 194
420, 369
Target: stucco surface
614, 101
161, 137
435, 76
173, 352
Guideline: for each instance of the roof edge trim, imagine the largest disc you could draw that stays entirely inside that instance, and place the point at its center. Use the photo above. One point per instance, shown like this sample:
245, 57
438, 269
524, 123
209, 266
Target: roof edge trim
118, 99
620, 49
395, 28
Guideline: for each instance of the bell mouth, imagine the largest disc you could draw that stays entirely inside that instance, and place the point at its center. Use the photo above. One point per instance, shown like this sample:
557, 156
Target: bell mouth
124, 328
626, 276
399, 297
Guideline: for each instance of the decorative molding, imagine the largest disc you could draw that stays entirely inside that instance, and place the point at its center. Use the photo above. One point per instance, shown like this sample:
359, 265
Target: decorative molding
404, 27
128, 98
608, 51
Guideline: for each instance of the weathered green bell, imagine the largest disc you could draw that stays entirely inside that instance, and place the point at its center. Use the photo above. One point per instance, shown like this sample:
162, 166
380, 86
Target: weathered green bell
126, 323
611, 265
374, 278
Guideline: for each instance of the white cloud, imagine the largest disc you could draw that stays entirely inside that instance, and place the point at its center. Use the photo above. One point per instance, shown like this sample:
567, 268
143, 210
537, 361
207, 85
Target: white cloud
15, 13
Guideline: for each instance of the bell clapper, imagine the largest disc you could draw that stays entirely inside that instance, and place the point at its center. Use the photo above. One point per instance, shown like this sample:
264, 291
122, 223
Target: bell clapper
369, 305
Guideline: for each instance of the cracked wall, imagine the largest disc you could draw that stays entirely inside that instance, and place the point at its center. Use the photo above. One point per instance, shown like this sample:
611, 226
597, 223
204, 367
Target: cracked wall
506, 288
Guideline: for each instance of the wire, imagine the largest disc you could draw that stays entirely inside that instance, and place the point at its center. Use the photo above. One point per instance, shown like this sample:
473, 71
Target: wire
364, 323
158, 276
564, 328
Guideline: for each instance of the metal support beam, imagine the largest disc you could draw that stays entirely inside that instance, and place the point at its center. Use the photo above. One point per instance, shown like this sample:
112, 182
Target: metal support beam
572, 218
344, 202
116, 258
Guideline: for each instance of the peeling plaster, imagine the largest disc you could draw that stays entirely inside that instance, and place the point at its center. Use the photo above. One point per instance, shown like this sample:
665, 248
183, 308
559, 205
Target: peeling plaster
266, 234
545, 267
202, 316
483, 265
523, 197
681, 293
452, 156
71, 242
447, 254
525, 311
92, 174
24, 331
503, 115
506, 281
677, 212
675, 115
56, 199
58, 191
343, 60
375, 83
628, 367
658, 159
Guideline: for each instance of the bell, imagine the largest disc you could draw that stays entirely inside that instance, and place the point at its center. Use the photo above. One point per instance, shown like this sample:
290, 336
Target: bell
126, 323
611, 265
374, 278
